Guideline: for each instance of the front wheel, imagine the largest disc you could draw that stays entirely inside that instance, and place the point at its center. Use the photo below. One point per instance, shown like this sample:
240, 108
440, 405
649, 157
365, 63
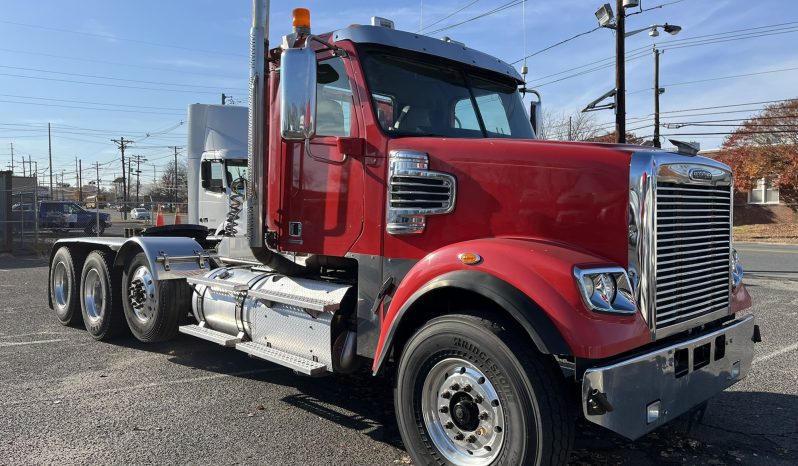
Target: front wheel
471, 392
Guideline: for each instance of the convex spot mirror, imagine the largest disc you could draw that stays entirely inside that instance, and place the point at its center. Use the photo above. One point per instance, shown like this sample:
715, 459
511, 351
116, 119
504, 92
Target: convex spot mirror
298, 94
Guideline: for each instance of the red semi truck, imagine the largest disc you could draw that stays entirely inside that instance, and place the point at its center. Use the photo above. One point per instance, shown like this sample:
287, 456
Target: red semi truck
399, 212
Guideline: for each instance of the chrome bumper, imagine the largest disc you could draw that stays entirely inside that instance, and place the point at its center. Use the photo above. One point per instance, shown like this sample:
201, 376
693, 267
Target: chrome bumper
623, 396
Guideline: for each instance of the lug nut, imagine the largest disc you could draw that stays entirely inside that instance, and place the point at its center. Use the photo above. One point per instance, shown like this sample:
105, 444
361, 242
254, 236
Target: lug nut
444, 409
471, 439
448, 425
455, 387
446, 395
483, 415
478, 399
467, 388
459, 436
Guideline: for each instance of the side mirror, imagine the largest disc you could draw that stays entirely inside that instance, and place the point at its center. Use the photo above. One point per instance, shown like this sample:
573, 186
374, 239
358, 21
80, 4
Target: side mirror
536, 114
298, 94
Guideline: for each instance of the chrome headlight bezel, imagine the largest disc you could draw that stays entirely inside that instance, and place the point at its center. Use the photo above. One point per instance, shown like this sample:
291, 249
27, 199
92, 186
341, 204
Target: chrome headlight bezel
737, 271
595, 298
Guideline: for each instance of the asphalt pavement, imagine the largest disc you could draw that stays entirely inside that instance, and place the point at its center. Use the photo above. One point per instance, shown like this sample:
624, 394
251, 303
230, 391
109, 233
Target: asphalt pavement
68, 399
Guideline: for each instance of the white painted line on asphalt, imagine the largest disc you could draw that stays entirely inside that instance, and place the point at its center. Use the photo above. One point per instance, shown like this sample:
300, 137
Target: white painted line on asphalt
772, 355
151, 385
31, 334
38, 342
774, 251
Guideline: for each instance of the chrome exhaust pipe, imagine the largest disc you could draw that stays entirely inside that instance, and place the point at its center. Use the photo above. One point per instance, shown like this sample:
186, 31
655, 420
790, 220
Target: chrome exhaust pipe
256, 139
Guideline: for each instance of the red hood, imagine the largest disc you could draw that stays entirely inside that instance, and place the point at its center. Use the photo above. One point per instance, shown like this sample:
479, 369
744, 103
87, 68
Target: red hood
570, 193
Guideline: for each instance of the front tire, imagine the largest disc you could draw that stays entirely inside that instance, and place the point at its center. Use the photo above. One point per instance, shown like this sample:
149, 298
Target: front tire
64, 287
153, 308
101, 297
470, 391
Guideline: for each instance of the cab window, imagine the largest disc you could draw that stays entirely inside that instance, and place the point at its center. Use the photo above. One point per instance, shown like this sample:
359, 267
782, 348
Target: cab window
212, 176
333, 99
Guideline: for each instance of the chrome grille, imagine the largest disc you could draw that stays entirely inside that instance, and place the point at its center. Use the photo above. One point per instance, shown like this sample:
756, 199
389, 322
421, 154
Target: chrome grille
693, 243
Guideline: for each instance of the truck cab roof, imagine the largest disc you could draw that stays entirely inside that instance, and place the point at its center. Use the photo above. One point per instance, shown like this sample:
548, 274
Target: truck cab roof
424, 44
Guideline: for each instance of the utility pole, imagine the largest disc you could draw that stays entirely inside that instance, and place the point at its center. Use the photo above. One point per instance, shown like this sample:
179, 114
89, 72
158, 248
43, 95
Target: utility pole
122, 144
80, 180
224, 98
174, 193
50, 152
657, 92
62, 184
620, 73
570, 132
139, 159
12, 162
97, 199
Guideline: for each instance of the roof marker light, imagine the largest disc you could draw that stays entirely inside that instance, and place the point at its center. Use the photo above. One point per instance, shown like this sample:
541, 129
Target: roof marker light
301, 19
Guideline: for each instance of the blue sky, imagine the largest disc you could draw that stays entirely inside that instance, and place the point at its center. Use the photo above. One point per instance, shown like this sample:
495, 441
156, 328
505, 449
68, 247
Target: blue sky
149, 59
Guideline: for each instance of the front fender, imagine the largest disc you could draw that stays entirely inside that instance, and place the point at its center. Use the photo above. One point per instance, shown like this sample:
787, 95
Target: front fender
540, 271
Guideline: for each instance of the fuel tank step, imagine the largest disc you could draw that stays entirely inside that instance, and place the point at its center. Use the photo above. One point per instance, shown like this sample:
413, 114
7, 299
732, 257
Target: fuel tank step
299, 364
205, 333
217, 284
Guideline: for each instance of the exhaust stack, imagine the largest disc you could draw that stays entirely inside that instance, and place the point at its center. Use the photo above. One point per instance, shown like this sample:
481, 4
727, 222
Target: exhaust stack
259, 43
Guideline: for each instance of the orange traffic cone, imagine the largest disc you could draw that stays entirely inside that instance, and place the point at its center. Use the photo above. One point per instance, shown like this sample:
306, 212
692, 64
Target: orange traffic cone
159, 218
177, 216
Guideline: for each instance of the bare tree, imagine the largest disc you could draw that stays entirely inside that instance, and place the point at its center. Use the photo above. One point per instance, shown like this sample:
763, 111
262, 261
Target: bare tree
569, 127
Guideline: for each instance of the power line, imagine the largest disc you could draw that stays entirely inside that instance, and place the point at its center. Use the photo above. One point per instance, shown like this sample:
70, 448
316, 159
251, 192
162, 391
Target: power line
448, 16
87, 102
115, 38
556, 45
111, 85
717, 78
480, 16
115, 63
86, 108
111, 78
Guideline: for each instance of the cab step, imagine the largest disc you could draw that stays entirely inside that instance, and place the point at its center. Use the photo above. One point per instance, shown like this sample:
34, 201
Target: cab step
220, 338
297, 363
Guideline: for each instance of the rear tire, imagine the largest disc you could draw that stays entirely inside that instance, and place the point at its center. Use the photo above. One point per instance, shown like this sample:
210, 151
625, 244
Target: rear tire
63, 287
153, 309
471, 391
101, 297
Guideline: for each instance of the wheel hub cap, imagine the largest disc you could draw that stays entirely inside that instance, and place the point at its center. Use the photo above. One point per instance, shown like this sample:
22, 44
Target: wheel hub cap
141, 294
462, 413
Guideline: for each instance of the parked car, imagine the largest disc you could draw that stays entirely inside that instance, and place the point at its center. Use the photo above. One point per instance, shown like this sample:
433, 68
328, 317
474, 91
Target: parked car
140, 213
67, 215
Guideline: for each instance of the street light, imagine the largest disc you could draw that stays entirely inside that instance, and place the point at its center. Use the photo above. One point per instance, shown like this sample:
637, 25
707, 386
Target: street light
605, 17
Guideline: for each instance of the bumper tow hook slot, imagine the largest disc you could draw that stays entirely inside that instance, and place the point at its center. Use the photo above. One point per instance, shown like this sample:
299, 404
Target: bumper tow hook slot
597, 403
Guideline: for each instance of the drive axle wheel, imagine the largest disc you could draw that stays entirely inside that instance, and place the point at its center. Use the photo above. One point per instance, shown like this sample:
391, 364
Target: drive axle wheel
63, 287
100, 298
470, 391
152, 307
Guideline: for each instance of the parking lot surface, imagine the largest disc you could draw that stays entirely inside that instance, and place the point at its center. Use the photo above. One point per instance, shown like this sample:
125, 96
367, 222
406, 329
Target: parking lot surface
68, 399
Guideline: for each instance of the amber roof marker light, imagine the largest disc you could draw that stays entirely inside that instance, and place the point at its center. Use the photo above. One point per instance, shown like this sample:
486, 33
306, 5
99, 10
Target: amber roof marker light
301, 20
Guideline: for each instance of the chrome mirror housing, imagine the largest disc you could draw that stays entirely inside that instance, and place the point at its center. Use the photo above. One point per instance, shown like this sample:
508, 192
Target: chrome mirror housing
298, 94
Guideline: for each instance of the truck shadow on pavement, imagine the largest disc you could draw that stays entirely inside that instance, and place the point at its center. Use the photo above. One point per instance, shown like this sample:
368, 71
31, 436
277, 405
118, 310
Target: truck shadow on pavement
738, 427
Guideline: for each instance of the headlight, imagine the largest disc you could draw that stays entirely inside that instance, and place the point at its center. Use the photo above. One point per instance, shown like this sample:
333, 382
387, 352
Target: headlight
606, 290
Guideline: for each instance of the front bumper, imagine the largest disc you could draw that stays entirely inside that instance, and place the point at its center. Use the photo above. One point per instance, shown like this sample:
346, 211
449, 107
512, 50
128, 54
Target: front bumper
622, 396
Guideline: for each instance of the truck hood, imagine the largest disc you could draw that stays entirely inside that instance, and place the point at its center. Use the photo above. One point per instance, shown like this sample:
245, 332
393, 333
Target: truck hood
570, 193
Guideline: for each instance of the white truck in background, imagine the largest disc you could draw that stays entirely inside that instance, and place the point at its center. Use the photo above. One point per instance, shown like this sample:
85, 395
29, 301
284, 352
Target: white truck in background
217, 164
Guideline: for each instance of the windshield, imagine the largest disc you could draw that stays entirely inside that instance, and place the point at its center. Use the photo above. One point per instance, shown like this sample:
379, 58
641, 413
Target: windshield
416, 96
237, 175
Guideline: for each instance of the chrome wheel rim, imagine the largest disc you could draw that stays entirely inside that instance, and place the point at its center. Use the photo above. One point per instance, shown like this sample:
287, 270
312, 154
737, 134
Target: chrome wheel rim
462, 413
141, 294
94, 295
60, 285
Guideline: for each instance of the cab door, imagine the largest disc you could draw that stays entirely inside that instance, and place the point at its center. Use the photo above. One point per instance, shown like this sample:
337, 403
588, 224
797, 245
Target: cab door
323, 195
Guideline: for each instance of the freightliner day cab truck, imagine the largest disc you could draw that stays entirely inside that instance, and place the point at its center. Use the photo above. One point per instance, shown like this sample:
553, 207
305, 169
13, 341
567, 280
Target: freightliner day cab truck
399, 211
